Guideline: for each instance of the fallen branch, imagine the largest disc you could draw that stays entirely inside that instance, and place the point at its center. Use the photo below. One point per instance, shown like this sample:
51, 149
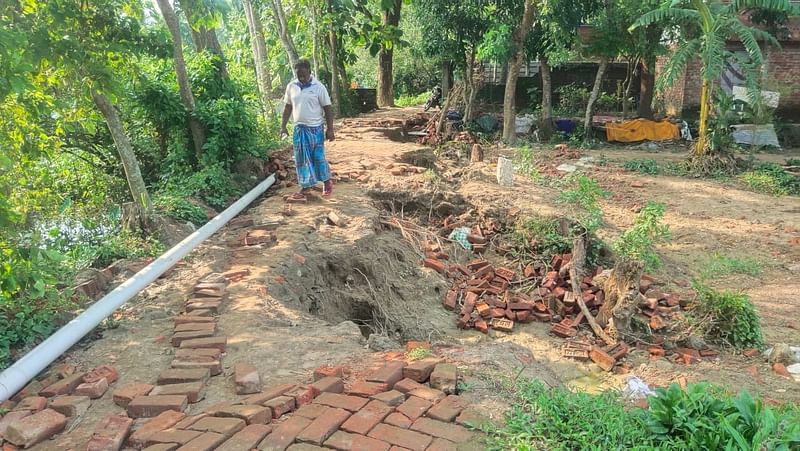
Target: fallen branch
575, 273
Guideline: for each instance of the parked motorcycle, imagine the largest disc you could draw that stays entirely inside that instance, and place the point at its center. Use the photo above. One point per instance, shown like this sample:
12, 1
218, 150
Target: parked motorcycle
435, 99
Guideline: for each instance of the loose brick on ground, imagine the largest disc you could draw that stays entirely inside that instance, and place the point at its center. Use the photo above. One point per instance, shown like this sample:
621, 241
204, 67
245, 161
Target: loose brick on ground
365, 419
196, 327
192, 319
35, 428
367, 389
389, 374
399, 420
312, 411
93, 390
329, 385
406, 385
428, 394
246, 378
178, 436
162, 447
250, 413
193, 305
214, 366
452, 432
344, 441
351, 403
302, 394
445, 378
190, 420
328, 371
192, 353
210, 342
206, 442
71, 406
284, 434
392, 398
107, 372
401, 437
163, 421
280, 405
110, 433
246, 439
11, 417
448, 409
414, 407
64, 386
194, 391
180, 376
224, 426
150, 406
322, 427
420, 370
270, 393
32, 404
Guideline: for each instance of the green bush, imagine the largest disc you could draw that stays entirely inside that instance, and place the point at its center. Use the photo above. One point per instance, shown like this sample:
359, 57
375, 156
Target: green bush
639, 241
771, 178
410, 100
733, 318
178, 207
648, 167
572, 99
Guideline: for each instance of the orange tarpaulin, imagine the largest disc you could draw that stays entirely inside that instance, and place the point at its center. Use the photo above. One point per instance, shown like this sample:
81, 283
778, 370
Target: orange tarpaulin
642, 130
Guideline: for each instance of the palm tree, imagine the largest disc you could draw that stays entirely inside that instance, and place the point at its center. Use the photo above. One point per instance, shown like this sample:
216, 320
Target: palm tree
707, 25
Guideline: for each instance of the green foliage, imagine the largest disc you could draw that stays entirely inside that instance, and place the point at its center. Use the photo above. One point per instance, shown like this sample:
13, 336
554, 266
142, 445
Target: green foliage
582, 194
721, 265
543, 236
639, 241
120, 245
179, 207
647, 167
572, 99
734, 319
419, 353
412, 100
771, 178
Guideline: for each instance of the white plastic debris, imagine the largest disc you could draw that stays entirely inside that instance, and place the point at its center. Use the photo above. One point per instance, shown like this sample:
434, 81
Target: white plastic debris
636, 388
505, 171
524, 123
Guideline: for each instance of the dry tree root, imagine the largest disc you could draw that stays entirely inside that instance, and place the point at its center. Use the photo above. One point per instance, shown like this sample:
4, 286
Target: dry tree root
575, 275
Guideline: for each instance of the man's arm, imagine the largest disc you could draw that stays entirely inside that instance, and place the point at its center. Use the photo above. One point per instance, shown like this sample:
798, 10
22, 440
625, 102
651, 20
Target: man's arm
287, 112
329, 122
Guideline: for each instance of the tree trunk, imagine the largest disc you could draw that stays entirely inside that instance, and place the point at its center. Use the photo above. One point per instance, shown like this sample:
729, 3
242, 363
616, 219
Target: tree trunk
391, 17
647, 85
620, 307
315, 44
283, 31
598, 83
132, 173
196, 129
517, 57
470, 88
633, 66
204, 39
336, 98
259, 46
702, 132
546, 119
447, 77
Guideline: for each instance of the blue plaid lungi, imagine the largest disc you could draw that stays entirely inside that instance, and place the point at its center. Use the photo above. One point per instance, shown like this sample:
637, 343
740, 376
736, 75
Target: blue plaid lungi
309, 155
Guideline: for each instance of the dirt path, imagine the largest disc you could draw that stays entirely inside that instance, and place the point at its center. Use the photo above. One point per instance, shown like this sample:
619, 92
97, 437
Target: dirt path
314, 296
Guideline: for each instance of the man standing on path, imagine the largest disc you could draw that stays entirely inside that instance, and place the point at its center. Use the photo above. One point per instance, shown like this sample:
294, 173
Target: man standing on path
305, 101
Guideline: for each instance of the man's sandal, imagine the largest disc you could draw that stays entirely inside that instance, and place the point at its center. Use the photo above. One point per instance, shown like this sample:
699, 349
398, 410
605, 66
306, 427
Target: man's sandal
327, 188
297, 198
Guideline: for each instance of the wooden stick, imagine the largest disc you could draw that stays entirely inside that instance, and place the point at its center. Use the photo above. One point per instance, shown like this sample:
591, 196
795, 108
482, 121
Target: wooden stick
575, 271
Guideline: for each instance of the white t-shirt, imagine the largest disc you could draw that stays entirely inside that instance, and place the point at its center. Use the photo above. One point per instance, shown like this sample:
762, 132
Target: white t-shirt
307, 103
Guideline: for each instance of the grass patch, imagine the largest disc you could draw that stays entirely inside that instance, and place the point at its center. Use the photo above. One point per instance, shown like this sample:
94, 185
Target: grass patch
647, 167
771, 178
406, 100
721, 265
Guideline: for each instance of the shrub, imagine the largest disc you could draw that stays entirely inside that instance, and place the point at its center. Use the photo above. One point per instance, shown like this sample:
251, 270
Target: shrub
648, 167
721, 265
771, 178
411, 100
733, 318
639, 241
179, 207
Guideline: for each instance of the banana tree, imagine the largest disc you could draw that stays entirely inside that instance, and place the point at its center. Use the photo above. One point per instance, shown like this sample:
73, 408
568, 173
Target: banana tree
706, 26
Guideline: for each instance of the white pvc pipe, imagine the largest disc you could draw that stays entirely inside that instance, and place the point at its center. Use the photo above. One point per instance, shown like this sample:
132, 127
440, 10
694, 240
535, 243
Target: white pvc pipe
26, 368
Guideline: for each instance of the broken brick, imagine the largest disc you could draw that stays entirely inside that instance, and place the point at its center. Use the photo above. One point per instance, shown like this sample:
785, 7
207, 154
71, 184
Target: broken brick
482, 326
107, 372
71, 406
780, 369
420, 370
414, 407
329, 385
503, 325
64, 386
752, 352
270, 393
602, 359
450, 300
161, 422
657, 322
284, 433
125, 394
110, 433
32, 404
302, 394
563, 331
250, 413
389, 374
434, 264
280, 405
656, 351
407, 385
448, 409
194, 391
246, 378
93, 390
444, 378
35, 428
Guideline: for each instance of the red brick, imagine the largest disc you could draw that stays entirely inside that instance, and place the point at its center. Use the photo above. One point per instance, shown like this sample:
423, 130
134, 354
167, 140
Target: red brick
365, 419
173, 436
399, 448
312, 411
107, 372
452, 432
35, 428
280, 405
322, 427
210, 342
390, 374
110, 433
448, 409
401, 437
392, 398
180, 376
214, 366
236, 275
399, 420
32, 404
93, 390
602, 359
224, 426
284, 434
367, 389
429, 394
329, 385
302, 394
420, 370
71, 406
196, 327
205, 442
752, 352
250, 413
343, 441
781, 370
246, 439
414, 407
162, 446
193, 319
150, 406
688, 355
657, 322
194, 391
656, 351
246, 378
11, 417
445, 378
328, 371
270, 393
32, 389
434, 264
195, 353
190, 420
440, 444
163, 421
406, 385
64, 386
192, 306
351, 403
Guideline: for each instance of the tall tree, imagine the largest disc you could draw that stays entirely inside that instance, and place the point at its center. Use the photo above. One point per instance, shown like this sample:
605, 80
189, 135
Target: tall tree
283, 31
204, 34
391, 19
260, 59
333, 51
195, 127
514, 64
